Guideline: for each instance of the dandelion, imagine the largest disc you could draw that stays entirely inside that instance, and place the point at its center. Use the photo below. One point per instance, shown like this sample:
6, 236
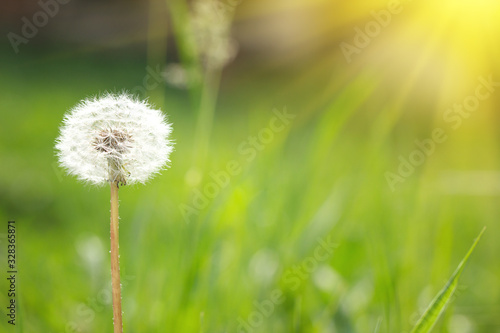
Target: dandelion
211, 25
119, 140
114, 138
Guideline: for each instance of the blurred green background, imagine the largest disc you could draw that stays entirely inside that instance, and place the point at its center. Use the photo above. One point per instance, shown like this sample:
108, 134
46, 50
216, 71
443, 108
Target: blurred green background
220, 71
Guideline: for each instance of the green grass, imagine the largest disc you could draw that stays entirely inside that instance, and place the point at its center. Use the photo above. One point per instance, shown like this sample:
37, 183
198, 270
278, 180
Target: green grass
442, 299
322, 175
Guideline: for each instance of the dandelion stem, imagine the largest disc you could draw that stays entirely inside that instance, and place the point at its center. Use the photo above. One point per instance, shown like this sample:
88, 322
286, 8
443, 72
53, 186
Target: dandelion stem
115, 263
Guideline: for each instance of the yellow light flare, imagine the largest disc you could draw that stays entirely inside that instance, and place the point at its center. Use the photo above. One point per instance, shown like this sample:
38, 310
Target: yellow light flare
426, 50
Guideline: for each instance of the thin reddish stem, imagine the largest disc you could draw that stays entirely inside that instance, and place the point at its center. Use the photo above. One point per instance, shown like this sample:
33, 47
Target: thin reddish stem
115, 261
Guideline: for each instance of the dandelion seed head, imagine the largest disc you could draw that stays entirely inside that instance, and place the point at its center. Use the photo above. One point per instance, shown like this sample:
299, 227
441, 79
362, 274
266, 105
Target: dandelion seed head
114, 138
212, 30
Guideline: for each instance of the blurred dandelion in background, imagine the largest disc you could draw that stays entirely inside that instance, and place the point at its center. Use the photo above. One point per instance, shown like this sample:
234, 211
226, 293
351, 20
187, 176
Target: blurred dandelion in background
212, 31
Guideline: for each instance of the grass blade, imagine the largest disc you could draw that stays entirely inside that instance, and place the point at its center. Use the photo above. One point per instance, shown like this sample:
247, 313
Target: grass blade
438, 304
